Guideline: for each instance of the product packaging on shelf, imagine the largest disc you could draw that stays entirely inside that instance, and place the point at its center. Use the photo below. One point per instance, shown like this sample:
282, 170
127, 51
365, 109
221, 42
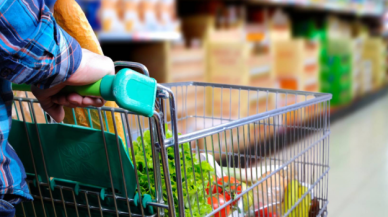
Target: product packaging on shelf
335, 78
110, 16
131, 16
336, 62
280, 26
374, 51
296, 64
367, 84
149, 15
167, 15
357, 68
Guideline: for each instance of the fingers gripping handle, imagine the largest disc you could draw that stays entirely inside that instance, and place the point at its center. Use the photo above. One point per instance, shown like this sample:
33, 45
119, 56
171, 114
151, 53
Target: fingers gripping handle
129, 89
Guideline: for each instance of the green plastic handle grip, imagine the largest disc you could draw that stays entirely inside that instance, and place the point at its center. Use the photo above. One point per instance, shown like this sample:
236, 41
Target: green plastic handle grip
21, 87
129, 89
86, 90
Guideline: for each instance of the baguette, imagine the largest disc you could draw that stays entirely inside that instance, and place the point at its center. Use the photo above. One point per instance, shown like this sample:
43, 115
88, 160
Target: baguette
72, 19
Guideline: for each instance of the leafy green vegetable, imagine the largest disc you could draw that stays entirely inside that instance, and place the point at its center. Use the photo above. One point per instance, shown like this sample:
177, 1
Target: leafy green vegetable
195, 175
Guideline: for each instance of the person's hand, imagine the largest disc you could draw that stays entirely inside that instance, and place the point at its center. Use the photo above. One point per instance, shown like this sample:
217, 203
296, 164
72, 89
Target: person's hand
92, 68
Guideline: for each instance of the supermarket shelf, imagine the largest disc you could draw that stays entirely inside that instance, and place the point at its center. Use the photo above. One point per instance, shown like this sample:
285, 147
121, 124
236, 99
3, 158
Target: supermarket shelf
338, 113
365, 9
140, 36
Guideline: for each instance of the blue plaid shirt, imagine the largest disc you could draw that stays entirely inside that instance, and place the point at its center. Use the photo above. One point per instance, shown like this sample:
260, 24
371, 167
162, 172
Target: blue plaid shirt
33, 50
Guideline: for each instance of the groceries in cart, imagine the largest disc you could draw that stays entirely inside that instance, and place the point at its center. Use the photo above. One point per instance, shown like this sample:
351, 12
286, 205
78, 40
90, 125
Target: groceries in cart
190, 166
208, 186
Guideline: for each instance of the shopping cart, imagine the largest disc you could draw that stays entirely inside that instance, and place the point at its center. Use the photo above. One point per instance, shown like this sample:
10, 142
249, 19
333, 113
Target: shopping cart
243, 151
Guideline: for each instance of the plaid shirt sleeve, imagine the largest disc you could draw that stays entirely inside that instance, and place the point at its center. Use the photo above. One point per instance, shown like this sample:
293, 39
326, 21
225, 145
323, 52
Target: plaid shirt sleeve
34, 49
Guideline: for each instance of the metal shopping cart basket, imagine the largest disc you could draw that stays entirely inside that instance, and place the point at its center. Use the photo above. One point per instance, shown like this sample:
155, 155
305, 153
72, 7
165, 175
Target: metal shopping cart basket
209, 149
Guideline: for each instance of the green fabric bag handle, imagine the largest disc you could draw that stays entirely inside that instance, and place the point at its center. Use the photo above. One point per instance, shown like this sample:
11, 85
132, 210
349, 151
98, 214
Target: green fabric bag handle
128, 88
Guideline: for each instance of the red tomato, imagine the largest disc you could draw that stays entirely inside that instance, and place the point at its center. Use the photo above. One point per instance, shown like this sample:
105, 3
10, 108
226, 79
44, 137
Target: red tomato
230, 185
214, 189
213, 182
263, 212
217, 203
227, 197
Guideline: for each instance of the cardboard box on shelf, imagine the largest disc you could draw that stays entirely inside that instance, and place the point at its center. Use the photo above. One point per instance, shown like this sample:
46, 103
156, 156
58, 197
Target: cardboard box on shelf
180, 53
259, 65
227, 62
289, 58
357, 67
171, 62
185, 71
187, 64
259, 60
296, 64
373, 51
367, 84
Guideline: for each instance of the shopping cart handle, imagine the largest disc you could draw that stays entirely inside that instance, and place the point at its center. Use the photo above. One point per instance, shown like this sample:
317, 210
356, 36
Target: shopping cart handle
21, 87
86, 90
129, 89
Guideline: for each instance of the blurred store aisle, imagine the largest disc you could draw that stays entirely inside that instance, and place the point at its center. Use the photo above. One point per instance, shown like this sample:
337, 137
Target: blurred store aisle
358, 180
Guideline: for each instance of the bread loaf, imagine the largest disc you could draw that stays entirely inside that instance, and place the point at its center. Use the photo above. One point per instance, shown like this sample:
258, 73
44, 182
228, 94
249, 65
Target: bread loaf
72, 19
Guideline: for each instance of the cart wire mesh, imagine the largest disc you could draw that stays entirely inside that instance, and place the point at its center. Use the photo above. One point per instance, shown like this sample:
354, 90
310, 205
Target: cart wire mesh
272, 145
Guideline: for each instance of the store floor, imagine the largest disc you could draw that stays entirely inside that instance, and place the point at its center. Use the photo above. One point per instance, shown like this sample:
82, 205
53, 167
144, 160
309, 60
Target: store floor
358, 179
